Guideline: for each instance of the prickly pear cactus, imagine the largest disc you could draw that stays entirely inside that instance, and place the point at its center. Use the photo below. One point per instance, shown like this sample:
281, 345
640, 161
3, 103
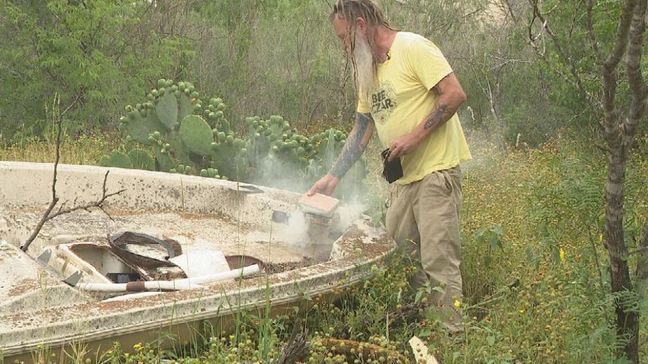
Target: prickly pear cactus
179, 133
196, 134
276, 152
284, 158
141, 159
214, 113
269, 136
328, 145
116, 159
171, 131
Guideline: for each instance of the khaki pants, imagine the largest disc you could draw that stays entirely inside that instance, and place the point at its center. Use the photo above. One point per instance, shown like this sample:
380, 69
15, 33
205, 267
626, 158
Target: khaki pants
423, 219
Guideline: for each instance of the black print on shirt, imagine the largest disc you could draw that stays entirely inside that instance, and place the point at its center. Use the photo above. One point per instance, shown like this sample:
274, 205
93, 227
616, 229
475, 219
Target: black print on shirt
383, 102
380, 101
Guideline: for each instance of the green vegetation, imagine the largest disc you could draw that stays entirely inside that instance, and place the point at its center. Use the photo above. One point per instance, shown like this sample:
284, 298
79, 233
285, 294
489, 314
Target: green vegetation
172, 132
536, 273
278, 57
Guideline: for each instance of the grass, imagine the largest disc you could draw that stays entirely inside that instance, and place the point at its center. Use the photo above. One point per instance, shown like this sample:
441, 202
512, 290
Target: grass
84, 150
535, 271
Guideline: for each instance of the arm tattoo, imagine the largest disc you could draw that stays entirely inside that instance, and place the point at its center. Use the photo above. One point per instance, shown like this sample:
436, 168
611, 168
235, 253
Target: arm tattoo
354, 146
436, 118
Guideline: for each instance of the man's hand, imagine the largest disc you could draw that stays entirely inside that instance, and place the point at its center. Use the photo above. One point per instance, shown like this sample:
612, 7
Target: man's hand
325, 185
403, 145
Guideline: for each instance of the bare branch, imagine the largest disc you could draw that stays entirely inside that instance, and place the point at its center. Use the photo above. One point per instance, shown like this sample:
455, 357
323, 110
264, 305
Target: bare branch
590, 31
510, 10
635, 78
96, 204
620, 41
610, 65
534, 38
48, 215
62, 205
566, 59
40, 224
55, 199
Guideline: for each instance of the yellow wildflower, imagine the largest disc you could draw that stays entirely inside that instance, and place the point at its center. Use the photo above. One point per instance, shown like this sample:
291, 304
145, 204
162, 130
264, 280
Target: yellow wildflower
562, 255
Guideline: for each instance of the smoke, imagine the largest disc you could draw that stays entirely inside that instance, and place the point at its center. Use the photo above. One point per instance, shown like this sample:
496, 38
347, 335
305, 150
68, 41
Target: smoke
302, 230
274, 172
298, 230
295, 232
347, 213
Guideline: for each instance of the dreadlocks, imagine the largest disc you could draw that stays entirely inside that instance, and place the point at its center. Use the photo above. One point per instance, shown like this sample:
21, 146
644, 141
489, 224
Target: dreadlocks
350, 10
366, 9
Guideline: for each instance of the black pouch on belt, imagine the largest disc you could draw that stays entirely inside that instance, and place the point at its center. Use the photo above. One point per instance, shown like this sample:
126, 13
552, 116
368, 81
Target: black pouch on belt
391, 170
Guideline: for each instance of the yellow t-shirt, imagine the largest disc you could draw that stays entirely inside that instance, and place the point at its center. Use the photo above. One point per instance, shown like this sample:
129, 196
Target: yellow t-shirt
403, 100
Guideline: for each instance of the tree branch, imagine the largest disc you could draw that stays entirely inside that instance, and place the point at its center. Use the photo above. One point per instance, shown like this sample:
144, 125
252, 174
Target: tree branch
96, 204
48, 215
590, 31
566, 59
635, 79
619, 135
510, 10
610, 65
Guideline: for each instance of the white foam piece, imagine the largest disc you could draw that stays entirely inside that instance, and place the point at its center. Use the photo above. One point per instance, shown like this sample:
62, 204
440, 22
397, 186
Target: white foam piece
198, 262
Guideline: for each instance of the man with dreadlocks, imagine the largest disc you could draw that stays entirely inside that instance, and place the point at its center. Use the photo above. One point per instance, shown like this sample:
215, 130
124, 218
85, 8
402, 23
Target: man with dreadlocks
409, 95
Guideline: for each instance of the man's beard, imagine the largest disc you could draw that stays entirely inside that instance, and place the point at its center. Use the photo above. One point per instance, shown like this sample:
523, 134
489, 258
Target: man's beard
365, 68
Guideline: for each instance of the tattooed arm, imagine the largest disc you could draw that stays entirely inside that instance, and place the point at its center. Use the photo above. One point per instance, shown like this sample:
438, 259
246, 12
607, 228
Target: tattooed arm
450, 96
355, 145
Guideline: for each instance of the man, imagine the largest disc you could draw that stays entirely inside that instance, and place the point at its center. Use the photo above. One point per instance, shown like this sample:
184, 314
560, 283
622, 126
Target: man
408, 93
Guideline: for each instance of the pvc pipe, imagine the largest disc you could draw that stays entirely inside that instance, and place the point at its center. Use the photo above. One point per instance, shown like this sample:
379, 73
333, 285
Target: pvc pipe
173, 285
131, 296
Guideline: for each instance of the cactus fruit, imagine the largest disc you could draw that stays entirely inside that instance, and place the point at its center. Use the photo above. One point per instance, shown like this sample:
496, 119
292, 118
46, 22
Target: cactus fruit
209, 172
139, 128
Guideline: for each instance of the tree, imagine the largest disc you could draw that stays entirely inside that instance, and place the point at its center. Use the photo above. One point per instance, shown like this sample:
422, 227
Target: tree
620, 102
95, 51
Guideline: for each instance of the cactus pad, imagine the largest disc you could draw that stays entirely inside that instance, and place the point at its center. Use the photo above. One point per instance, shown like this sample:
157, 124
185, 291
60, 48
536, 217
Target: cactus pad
167, 110
196, 134
141, 159
116, 159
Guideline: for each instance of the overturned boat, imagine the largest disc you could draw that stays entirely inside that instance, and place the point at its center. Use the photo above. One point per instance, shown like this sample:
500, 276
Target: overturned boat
164, 257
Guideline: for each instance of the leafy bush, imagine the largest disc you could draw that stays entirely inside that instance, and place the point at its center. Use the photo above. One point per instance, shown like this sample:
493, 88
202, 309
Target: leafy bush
95, 55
